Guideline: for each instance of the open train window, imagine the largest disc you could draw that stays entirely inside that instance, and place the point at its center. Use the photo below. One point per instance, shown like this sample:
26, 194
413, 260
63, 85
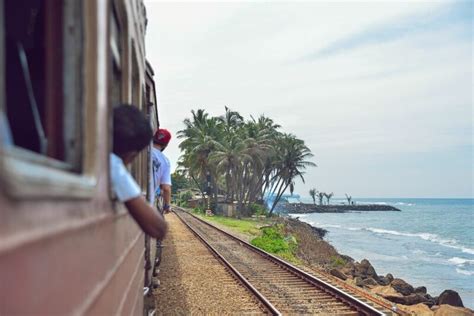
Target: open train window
41, 106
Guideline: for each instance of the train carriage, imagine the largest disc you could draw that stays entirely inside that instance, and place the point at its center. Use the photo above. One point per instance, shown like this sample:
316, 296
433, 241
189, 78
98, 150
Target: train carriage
66, 247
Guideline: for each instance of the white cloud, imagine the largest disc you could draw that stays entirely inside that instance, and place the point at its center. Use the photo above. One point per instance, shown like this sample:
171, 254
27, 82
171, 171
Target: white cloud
407, 95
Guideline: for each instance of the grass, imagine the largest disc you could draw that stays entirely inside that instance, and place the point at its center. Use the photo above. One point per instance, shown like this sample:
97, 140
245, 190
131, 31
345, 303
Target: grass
266, 235
247, 226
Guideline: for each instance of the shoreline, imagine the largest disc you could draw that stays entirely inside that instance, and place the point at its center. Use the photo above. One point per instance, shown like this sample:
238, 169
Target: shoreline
396, 290
305, 208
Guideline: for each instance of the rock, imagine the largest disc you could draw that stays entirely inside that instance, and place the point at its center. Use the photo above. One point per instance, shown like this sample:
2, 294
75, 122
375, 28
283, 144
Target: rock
383, 280
338, 274
420, 290
370, 282
411, 299
389, 276
359, 282
349, 269
402, 287
450, 297
364, 269
384, 290
419, 310
431, 300
448, 310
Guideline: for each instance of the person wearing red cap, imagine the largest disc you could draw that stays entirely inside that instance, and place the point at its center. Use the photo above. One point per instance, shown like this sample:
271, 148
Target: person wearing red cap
161, 168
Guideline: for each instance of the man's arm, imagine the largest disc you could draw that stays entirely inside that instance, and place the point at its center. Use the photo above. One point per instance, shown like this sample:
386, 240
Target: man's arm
166, 192
149, 220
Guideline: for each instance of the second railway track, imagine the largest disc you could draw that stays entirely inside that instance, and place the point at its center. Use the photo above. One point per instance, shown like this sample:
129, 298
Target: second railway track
280, 285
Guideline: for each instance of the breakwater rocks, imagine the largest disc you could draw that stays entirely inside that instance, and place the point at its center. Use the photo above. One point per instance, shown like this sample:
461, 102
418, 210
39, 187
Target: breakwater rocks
399, 291
336, 208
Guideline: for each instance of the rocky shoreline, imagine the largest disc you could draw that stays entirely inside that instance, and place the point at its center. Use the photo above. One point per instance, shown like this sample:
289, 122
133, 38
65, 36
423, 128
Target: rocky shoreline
302, 208
316, 252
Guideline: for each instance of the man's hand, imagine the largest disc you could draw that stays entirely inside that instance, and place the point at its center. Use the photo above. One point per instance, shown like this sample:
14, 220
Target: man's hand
149, 220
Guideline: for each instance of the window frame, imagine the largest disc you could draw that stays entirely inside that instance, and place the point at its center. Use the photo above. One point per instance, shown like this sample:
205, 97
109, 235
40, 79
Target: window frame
25, 174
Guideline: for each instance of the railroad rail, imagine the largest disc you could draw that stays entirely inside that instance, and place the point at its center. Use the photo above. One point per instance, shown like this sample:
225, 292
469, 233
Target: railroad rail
281, 287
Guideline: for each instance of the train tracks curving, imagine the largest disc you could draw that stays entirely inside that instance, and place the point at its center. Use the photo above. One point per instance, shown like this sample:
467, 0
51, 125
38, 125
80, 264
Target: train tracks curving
281, 287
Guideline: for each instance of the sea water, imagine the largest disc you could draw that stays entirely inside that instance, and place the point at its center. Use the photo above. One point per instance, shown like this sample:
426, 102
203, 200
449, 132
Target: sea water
430, 242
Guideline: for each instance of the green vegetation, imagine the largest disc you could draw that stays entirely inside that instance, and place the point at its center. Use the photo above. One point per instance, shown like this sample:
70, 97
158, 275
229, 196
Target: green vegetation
247, 226
338, 262
183, 198
266, 234
274, 241
313, 193
243, 160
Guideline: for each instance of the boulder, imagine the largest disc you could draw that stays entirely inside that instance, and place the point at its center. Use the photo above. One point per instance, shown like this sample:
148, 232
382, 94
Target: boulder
349, 269
364, 269
383, 280
338, 274
420, 290
370, 282
411, 299
389, 276
402, 287
384, 290
450, 297
448, 310
359, 282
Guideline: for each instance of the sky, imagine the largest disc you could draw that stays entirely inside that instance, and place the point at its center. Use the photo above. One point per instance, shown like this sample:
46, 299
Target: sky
380, 91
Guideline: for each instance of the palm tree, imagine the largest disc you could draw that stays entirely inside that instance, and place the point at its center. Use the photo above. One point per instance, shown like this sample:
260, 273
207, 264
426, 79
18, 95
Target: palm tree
320, 197
292, 155
328, 196
349, 198
248, 160
313, 193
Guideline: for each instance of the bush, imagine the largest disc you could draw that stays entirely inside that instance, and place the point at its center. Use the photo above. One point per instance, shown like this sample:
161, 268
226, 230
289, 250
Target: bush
338, 262
258, 209
184, 197
273, 241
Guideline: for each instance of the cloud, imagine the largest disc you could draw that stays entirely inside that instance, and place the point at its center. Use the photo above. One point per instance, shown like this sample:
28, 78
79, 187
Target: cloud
433, 19
396, 79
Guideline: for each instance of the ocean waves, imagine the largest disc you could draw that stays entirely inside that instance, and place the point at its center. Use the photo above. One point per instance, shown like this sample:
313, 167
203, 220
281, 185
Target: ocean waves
431, 237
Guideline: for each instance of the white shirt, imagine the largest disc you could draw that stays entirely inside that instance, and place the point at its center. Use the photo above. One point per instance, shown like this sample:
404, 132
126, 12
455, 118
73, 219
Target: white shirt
123, 184
161, 171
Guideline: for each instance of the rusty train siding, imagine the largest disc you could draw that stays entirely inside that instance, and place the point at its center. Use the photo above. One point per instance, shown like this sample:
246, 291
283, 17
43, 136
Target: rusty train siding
192, 280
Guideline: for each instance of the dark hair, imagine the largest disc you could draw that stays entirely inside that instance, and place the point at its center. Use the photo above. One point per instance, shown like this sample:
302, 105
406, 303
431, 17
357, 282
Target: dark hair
132, 131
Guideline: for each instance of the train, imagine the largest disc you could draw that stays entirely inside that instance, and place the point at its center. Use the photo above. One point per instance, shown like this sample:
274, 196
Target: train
66, 246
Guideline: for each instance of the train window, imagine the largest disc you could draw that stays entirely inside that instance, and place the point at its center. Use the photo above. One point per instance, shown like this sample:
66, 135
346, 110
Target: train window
41, 107
35, 63
116, 60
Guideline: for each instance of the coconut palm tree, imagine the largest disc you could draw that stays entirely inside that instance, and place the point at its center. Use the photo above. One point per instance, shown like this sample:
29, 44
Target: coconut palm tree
292, 155
349, 198
320, 197
313, 193
328, 196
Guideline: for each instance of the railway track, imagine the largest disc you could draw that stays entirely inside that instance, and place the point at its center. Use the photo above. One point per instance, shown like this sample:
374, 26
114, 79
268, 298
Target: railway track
281, 287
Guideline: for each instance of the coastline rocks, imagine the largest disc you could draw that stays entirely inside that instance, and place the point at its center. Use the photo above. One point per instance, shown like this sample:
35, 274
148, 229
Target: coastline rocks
411, 299
369, 282
421, 290
365, 270
450, 297
402, 287
338, 274
384, 281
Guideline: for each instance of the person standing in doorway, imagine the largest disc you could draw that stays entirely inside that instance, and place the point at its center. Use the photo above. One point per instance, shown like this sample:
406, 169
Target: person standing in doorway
161, 168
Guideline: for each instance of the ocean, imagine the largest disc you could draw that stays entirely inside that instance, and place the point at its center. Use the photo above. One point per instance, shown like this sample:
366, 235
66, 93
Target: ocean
430, 242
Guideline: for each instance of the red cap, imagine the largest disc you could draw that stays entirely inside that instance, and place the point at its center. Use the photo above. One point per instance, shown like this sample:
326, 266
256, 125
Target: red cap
162, 137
